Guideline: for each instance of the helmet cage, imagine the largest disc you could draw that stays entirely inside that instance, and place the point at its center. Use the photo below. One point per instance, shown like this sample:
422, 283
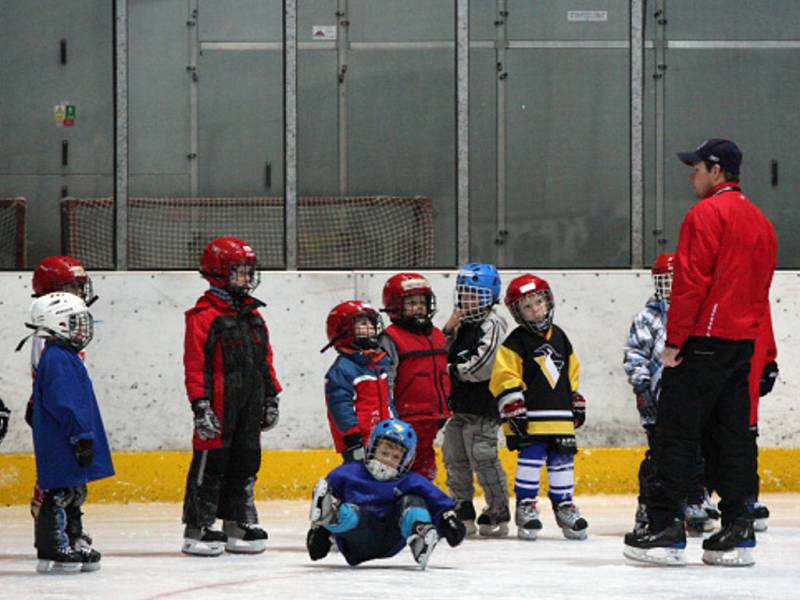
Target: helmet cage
473, 302
237, 272
542, 324
662, 282
397, 432
65, 316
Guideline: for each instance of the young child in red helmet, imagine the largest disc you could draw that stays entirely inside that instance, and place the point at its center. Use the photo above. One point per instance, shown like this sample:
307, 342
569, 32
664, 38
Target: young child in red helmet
357, 384
418, 372
535, 382
233, 391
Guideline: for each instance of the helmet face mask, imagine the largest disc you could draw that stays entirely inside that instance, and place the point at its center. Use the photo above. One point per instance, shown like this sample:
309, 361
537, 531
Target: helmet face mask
63, 316
243, 278
477, 290
408, 299
230, 264
391, 449
662, 271
530, 301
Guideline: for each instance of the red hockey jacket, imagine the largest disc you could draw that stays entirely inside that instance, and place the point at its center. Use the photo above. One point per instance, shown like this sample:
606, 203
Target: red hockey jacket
724, 263
226, 354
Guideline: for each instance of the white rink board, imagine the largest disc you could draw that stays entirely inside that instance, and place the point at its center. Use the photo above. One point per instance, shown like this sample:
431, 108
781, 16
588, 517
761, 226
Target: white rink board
136, 357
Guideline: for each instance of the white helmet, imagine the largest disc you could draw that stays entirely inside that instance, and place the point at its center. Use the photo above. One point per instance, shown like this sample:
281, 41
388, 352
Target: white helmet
64, 316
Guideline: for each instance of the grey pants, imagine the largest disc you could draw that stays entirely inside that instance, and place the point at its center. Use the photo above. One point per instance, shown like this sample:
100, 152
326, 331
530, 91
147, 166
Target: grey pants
470, 445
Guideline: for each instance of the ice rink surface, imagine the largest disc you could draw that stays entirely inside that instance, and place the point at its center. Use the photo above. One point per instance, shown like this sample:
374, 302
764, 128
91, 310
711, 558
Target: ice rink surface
142, 560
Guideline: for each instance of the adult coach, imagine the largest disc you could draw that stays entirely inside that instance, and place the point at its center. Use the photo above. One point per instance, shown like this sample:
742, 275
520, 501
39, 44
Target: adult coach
724, 263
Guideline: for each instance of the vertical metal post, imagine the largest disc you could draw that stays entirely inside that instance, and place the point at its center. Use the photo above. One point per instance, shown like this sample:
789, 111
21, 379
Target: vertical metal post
194, 120
121, 129
290, 131
501, 43
342, 47
660, 75
462, 130
637, 130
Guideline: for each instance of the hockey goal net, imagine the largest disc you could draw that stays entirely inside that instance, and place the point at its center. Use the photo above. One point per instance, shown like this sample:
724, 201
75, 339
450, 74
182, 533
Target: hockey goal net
332, 232
12, 233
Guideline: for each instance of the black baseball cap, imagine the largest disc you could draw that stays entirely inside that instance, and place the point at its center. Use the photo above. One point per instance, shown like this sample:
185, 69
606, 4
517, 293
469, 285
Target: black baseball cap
722, 152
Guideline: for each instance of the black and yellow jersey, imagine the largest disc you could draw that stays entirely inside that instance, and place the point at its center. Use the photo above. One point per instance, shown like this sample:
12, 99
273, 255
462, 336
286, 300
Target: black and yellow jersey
543, 370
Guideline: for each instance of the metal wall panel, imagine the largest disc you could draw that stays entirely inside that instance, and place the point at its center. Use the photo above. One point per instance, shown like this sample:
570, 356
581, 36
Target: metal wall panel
159, 96
401, 137
404, 21
240, 114
312, 13
240, 20
732, 19
733, 94
568, 164
573, 20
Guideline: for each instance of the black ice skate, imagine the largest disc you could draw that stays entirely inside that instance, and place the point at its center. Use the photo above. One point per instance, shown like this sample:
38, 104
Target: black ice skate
527, 519
90, 558
244, 538
494, 524
760, 515
664, 548
641, 521
324, 507
203, 541
732, 545
465, 511
422, 541
697, 520
63, 560
318, 543
572, 524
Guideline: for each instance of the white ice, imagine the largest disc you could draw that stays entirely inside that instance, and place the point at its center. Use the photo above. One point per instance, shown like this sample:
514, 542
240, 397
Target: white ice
142, 560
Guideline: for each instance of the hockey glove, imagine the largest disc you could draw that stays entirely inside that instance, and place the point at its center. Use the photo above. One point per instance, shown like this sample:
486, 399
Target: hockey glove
354, 452
453, 529
578, 409
646, 404
84, 452
269, 418
206, 423
5, 415
515, 413
768, 377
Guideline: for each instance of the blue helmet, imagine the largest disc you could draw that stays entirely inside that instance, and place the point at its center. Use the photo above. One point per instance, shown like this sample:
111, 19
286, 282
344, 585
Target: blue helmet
477, 290
398, 432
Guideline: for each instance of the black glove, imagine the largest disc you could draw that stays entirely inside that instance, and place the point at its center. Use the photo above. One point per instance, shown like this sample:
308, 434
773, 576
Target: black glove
646, 404
515, 413
768, 377
5, 415
269, 417
206, 423
578, 409
453, 529
354, 452
84, 452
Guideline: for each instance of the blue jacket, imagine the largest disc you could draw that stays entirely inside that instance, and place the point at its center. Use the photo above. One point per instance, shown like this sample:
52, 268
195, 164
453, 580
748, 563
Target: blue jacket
64, 411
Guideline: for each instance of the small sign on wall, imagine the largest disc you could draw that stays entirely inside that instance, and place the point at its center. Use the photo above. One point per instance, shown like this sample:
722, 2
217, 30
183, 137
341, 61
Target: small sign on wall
64, 114
323, 32
587, 15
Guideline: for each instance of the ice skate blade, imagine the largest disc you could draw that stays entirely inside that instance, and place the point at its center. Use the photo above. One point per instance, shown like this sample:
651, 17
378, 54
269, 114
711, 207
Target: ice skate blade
665, 557
198, 548
737, 557
569, 534
422, 547
52, 567
760, 525
470, 527
529, 535
497, 531
240, 546
89, 567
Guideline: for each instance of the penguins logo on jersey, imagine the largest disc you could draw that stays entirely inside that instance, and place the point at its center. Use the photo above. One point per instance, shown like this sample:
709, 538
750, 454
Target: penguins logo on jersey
550, 362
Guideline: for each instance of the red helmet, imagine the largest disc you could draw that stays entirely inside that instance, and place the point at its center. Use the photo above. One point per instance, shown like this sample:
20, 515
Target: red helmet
662, 271
55, 273
222, 263
398, 287
525, 286
341, 326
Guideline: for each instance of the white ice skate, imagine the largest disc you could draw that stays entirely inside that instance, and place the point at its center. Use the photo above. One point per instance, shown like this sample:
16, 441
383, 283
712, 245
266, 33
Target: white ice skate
494, 524
203, 541
422, 542
324, 507
572, 524
244, 538
697, 520
527, 519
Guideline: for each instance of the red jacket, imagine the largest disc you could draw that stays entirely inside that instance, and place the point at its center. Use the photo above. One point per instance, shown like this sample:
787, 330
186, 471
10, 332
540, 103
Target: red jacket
226, 354
764, 353
422, 384
724, 263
